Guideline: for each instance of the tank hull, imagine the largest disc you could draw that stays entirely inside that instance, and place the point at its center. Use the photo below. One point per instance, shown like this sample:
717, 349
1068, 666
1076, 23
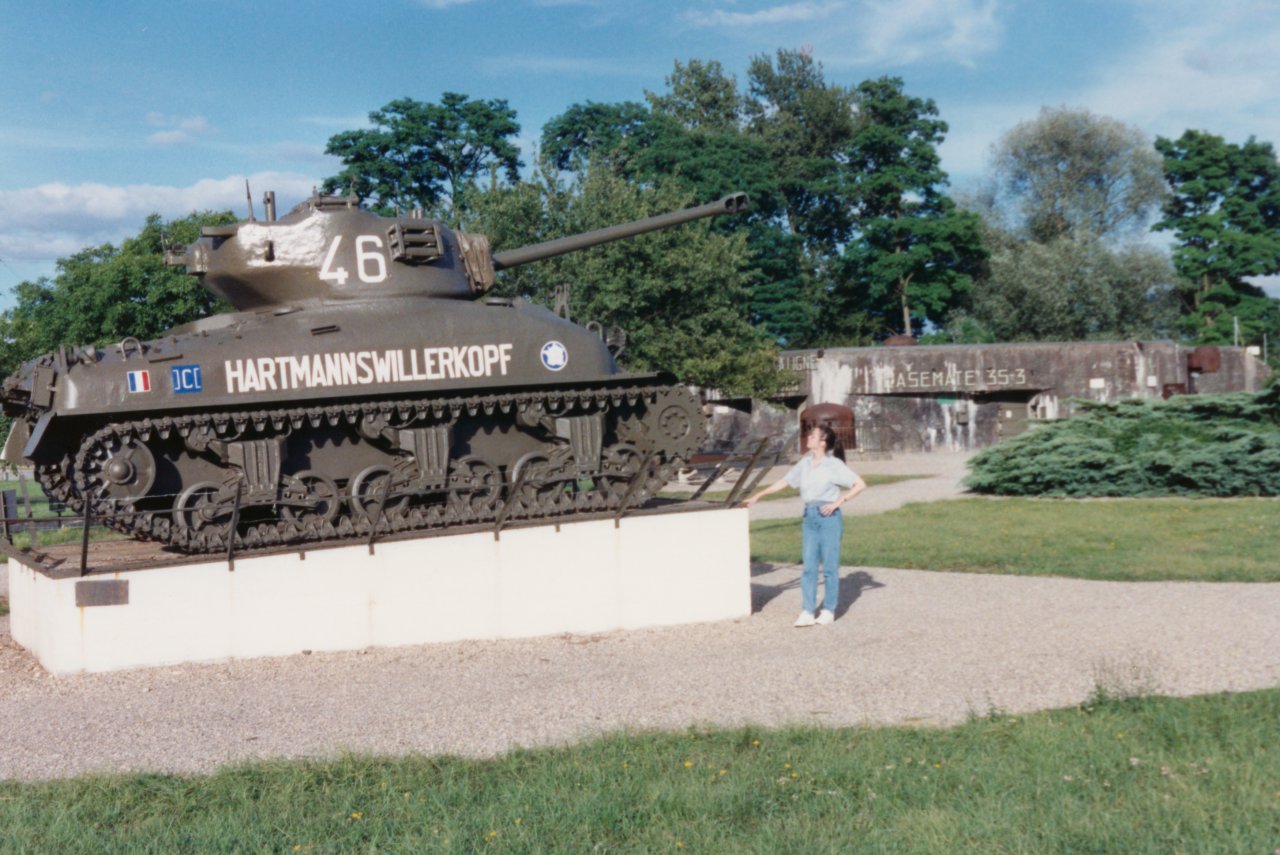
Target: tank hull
323, 423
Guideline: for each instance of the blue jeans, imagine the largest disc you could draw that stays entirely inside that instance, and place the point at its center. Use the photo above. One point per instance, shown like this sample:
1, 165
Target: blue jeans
820, 544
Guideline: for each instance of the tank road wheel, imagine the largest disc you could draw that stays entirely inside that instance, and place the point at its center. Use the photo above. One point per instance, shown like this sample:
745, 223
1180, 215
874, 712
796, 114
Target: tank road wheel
475, 487
203, 505
309, 498
122, 468
369, 486
546, 480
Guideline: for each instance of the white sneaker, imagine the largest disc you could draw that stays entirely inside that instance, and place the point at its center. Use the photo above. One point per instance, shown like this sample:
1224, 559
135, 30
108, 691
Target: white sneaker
805, 619
824, 617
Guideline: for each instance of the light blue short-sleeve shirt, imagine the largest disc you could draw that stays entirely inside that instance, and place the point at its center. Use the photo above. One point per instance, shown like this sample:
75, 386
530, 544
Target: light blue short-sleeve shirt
821, 483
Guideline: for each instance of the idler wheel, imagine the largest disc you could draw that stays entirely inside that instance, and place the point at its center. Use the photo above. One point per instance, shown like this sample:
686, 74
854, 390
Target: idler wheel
368, 488
203, 505
309, 497
123, 469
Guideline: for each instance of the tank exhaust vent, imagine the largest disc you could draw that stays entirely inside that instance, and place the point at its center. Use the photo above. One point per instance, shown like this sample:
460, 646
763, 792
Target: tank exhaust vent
413, 242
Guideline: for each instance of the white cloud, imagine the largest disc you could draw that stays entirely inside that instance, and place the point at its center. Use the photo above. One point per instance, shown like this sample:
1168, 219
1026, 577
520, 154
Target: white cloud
785, 14
1214, 72
177, 130
443, 4
902, 32
51, 221
574, 65
869, 33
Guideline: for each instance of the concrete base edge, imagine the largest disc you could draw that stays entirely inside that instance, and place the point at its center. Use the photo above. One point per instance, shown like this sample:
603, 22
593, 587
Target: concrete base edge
585, 577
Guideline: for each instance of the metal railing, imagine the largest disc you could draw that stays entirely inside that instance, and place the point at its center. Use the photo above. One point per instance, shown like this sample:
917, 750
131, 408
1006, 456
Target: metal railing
506, 503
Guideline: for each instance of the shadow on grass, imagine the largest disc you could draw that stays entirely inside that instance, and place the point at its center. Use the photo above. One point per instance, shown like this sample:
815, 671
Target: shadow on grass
852, 586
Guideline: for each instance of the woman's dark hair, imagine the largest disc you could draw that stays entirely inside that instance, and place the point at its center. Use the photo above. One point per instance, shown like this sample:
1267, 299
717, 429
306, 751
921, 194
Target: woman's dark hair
832, 441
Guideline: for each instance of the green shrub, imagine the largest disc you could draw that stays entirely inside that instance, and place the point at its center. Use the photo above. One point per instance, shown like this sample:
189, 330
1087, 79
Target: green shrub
1194, 445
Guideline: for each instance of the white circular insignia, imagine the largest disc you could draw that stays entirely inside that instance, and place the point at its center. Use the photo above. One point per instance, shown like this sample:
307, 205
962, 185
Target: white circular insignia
555, 355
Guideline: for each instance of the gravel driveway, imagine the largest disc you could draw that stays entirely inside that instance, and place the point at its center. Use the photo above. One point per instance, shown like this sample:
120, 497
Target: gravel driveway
907, 647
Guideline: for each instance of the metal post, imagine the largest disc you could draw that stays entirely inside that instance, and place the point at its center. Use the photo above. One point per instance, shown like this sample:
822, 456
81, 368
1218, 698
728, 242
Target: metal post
511, 500
631, 488
10, 501
231, 531
84, 537
382, 504
26, 498
746, 472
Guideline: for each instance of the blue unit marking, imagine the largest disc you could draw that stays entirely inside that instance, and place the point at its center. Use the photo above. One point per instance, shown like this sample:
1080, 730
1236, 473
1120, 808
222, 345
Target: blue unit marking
186, 379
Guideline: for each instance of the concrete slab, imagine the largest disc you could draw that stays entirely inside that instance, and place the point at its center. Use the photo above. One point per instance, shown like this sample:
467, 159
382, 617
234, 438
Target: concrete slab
581, 577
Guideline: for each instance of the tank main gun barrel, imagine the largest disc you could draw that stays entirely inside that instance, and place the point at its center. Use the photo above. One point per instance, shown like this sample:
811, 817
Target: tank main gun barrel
734, 203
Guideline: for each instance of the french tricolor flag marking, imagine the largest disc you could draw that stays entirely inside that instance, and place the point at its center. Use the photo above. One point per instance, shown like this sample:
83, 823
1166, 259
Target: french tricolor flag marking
139, 381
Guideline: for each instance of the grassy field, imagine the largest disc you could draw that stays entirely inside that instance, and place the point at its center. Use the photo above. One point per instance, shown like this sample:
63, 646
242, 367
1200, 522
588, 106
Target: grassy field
1122, 539
1116, 774
1147, 775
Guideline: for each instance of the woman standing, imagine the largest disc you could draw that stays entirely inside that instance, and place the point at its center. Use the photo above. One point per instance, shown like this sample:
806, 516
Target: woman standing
825, 483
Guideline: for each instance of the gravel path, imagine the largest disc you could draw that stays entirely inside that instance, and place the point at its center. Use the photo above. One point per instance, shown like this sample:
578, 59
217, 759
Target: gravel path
907, 647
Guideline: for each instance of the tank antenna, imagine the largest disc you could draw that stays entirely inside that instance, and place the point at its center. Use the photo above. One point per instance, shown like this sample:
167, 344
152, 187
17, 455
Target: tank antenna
249, 198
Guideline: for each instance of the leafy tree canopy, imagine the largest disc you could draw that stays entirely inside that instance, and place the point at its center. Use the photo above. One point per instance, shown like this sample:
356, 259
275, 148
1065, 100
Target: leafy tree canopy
912, 253
417, 154
806, 123
1071, 289
700, 96
102, 294
1224, 212
1072, 173
678, 294
591, 130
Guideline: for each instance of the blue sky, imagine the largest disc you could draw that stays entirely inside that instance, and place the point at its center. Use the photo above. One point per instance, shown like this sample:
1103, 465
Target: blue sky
115, 110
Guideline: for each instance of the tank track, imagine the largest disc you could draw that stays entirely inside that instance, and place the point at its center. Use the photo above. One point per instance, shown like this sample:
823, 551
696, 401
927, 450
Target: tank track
653, 429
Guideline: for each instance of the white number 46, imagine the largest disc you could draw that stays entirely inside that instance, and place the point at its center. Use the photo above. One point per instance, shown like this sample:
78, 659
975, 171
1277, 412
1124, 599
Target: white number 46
371, 265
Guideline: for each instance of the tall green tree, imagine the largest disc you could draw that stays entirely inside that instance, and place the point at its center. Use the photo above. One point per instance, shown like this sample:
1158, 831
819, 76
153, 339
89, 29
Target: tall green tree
701, 97
1224, 212
594, 131
1071, 289
678, 294
420, 154
912, 253
807, 123
102, 294
1071, 173
1068, 196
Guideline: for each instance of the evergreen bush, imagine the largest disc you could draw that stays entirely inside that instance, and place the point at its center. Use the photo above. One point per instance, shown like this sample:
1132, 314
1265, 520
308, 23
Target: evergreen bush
1193, 445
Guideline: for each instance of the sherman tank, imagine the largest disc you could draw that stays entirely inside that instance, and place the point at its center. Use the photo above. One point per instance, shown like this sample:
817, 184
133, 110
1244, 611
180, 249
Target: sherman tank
364, 382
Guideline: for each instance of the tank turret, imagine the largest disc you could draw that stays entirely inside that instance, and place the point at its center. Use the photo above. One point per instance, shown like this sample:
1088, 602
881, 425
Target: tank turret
334, 401
329, 249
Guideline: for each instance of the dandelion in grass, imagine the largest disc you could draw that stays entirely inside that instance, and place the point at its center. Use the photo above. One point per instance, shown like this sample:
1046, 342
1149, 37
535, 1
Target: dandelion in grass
688, 764
355, 814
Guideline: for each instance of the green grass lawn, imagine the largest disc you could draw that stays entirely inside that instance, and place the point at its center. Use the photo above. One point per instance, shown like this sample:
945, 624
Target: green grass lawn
1147, 775
1124, 539
39, 503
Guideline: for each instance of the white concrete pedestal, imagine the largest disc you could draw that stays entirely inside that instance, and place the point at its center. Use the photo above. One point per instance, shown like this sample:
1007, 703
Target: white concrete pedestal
653, 570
